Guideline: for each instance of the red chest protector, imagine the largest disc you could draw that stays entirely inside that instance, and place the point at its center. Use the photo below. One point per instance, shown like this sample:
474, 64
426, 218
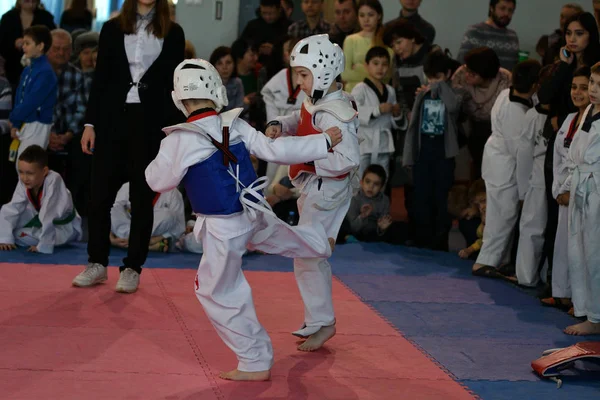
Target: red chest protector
305, 128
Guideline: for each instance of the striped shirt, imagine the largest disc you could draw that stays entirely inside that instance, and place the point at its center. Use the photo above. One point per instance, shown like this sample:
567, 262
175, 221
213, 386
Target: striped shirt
503, 41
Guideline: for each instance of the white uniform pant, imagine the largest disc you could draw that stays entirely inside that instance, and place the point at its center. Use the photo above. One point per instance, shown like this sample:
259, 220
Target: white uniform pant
326, 201
222, 288
64, 234
165, 222
584, 252
531, 238
561, 283
500, 219
33, 133
367, 159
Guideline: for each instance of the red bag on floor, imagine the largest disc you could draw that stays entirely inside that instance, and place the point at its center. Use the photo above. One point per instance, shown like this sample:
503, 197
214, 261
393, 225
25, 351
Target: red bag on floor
556, 360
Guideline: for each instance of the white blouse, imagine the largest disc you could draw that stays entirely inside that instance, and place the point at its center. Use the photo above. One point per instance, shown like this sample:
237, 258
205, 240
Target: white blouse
142, 49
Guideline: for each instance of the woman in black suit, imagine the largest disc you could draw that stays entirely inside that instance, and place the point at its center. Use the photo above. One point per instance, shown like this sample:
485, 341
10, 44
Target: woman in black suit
130, 101
26, 13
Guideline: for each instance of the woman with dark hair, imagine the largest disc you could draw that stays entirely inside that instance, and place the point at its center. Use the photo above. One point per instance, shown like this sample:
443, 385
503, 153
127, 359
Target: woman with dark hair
582, 49
77, 16
370, 15
130, 101
482, 79
222, 59
26, 13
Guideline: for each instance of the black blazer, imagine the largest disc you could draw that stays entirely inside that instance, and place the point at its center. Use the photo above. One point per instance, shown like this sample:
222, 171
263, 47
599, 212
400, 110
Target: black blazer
112, 81
10, 30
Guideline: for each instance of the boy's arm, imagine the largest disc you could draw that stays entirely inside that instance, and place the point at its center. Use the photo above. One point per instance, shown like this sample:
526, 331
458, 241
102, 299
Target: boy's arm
284, 150
41, 87
174, 158
177, 207
449, 97
346, 155
289, 123
353, 216
10, 213
524, 150
401, 121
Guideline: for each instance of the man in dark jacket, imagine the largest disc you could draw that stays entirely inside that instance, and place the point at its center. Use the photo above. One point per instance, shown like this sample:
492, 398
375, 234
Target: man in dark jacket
410, 12
270, 26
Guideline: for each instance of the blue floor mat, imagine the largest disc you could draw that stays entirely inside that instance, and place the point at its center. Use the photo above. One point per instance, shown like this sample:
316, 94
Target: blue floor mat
571, 389
478, 321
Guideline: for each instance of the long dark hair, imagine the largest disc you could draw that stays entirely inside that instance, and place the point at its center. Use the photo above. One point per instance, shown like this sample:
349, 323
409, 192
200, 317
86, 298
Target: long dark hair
591, 54
161, 22
375, 5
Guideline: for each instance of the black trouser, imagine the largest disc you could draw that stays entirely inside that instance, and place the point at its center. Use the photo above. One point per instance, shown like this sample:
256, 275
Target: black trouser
552, 221
480, 132
8, 172
433, 178
75, 168
122, 156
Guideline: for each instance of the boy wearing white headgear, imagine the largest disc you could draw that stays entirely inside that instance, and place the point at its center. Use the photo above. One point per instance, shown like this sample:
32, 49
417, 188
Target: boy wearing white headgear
210, 155
325, 185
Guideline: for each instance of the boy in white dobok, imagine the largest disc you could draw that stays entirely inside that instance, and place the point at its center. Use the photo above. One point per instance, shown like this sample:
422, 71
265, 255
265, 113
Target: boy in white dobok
169, 219
562, 168
531, 153
210, 155
378, 112
584, 215
41, 214
499, 168
325, 185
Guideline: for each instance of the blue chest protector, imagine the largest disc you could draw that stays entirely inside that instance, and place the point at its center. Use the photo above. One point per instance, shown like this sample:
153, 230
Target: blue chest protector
211, 188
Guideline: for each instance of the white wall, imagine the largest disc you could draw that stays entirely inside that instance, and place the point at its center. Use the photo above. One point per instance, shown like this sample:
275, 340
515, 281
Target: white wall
201, 28
532, 19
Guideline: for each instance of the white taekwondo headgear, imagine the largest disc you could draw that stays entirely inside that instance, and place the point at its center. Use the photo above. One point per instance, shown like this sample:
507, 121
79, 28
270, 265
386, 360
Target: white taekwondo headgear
198, 79
324, 59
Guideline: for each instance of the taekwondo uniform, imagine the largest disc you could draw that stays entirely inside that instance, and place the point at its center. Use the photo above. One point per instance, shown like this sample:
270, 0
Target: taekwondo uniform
499, 170
210, 154
584, 218
281, 98
169, 214
45, 221
562, 166
531, 183
375, 131
325, 193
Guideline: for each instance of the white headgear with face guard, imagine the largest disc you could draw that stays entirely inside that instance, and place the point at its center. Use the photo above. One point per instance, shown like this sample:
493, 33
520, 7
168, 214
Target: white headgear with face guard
325, 60
198, 79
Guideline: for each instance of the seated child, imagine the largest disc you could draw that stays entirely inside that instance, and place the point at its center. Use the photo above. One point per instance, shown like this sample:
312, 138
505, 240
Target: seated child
283, 196
41, 214
368, 218
210, 154
479, 201
169, 220
430, 145
378, 112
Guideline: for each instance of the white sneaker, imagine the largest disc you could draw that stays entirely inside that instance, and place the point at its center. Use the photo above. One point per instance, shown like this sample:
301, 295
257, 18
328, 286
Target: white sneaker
93, 274
128, 281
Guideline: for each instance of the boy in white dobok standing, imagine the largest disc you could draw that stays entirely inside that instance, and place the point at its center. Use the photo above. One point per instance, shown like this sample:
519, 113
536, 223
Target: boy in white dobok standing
325, 185
210, 155
584, 215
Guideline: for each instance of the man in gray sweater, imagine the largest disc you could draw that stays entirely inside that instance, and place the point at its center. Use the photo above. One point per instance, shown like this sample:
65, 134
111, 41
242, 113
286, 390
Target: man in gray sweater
493, 33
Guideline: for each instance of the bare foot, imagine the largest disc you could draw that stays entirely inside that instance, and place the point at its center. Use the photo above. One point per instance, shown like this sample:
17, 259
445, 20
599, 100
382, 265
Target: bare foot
237, 375
331, 243
584, 328
318, 339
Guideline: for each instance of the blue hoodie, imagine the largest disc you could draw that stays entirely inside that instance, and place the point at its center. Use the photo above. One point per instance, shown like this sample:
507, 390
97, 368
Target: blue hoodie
36, 94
